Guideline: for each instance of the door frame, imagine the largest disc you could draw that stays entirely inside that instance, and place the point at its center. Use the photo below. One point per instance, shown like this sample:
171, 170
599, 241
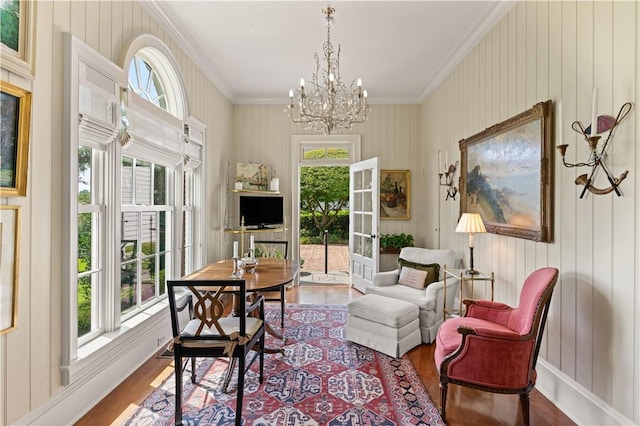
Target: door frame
299, 142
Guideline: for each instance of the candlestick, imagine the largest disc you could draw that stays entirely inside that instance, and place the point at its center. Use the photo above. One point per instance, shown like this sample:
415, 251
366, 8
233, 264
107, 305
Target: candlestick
235, 249
594, 113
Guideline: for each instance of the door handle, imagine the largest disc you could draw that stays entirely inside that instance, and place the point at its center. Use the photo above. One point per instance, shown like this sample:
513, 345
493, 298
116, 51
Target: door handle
373, 236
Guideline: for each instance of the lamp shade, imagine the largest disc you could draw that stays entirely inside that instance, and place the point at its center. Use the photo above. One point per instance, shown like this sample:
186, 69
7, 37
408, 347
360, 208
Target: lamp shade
471, 222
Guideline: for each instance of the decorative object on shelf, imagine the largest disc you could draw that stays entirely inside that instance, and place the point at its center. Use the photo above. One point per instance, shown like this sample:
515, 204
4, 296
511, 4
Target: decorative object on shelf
253, 176
9, 257
506, 175
599, 124
14, 146
328, 106
395, 194
471, 223
393, 243
448, 172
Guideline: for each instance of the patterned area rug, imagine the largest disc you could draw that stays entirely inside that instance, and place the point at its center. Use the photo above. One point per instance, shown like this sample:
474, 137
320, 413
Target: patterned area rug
320, 380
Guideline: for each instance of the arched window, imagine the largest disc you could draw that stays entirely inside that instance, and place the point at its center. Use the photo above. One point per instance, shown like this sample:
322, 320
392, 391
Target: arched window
133, 153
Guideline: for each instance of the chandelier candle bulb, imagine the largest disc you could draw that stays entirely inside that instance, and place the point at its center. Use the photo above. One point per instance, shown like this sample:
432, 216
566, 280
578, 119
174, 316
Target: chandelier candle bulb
439, 161
560, 138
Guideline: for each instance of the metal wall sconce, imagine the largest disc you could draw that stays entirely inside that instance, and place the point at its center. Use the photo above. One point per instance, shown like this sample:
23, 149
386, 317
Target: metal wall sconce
452, 191
596, 158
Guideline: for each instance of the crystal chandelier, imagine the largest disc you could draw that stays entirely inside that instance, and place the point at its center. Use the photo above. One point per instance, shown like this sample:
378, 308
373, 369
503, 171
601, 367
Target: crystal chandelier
327, 106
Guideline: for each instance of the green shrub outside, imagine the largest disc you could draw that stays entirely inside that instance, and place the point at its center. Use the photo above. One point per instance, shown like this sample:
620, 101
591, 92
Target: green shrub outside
338, 230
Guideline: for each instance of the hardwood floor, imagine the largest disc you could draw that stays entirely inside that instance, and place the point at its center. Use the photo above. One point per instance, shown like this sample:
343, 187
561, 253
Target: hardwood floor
464, 406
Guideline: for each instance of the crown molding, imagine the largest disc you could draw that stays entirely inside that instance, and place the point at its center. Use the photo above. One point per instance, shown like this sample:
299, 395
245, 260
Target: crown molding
481, 27
160, 12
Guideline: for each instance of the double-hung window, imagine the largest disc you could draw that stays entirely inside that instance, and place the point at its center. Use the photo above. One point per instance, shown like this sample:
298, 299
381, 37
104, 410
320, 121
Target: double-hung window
134, 192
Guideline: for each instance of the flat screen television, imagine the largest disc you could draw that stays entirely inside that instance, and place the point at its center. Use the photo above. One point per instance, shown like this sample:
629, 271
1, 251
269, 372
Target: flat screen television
261, 212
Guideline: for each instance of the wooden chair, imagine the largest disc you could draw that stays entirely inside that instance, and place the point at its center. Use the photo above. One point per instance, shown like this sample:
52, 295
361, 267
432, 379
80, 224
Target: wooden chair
277, 249
494, 347
204, 331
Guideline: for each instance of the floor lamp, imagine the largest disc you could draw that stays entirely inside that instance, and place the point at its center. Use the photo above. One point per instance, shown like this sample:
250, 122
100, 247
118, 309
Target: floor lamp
471, 223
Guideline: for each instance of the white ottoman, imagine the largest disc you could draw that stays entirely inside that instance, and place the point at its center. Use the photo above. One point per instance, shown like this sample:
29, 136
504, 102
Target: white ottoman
387, 325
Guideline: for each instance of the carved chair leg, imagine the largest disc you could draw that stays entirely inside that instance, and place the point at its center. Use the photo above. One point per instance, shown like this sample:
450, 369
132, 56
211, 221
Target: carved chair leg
443, 400
524, 403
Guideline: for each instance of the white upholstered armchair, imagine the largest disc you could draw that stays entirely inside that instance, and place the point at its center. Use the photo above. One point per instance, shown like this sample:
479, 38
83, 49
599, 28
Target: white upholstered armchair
421, 283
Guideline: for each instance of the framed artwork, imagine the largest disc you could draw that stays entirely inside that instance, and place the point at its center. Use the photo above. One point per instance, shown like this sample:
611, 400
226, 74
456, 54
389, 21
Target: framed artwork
506, 176
395, 194
17, 36
15, 116
252, 176
9, 250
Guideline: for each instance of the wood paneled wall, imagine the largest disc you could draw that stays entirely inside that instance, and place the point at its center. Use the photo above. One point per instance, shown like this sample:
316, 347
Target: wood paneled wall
560, 51
30, 357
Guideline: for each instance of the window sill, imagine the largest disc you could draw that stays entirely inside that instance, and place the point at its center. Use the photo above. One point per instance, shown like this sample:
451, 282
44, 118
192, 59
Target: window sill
145, 331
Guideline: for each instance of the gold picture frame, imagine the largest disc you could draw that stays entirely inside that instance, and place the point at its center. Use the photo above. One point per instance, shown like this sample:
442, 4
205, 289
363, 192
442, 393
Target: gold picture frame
15, 111
506, 175
17, 45
395, 195
9, 257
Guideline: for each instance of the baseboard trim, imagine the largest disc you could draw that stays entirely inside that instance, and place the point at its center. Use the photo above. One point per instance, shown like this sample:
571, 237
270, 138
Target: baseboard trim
75, 400
580, 405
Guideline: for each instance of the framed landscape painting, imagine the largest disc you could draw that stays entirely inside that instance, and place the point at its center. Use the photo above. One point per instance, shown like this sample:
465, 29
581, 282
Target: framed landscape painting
17, 36
506, 177
395, 194
15, 116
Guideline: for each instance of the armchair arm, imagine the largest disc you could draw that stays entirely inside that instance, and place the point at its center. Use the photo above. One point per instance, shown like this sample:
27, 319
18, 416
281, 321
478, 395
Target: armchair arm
257, 303
487, 310
495, 333
384, 279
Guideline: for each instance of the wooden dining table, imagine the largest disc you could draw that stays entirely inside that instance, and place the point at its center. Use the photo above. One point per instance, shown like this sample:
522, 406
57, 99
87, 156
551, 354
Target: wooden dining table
270, 275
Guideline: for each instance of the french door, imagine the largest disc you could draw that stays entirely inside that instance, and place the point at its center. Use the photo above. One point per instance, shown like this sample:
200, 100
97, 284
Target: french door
364, 212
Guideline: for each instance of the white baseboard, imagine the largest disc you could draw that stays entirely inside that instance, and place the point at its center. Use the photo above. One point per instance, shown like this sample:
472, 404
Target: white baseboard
75, 400
580, 405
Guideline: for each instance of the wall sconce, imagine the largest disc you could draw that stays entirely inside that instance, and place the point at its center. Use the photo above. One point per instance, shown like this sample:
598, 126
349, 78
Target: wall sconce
448, 173
600, 124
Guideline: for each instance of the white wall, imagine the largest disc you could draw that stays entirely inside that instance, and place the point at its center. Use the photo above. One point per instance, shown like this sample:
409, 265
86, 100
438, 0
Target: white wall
560, 51
30, 357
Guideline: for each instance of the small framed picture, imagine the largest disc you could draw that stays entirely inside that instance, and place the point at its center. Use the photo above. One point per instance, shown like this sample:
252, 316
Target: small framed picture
9, 249
395, 194
15, 110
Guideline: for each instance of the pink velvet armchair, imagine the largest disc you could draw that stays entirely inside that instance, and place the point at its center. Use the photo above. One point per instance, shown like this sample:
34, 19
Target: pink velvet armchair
494, 347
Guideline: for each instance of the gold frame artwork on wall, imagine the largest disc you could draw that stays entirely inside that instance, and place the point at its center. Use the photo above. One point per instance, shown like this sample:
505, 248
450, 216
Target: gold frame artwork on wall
15, 111
506, 175
18, 49
9, 256
395, 194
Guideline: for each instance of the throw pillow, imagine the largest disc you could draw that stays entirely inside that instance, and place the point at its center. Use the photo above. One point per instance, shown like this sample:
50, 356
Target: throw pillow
432, 268
413, 277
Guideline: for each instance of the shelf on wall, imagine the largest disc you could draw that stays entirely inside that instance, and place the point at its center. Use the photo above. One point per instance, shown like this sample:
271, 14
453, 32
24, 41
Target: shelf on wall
255, 191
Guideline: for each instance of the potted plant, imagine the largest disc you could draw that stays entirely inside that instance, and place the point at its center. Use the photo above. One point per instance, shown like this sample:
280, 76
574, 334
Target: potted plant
393, 243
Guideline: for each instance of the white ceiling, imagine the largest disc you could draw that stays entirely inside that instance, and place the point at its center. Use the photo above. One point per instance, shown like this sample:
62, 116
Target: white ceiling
255, 51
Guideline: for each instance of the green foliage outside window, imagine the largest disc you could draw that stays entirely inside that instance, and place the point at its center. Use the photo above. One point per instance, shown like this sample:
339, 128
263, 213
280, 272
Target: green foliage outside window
10, 28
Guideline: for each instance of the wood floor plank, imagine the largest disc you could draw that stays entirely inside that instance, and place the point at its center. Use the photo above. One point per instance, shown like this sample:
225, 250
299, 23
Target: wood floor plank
464, 406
